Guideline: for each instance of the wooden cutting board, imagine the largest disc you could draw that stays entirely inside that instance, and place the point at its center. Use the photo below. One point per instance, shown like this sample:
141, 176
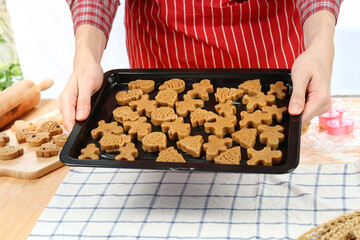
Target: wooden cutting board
28, 166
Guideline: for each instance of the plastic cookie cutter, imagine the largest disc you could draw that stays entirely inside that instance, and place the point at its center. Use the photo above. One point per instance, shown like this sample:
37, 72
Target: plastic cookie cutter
340, 126
330, 115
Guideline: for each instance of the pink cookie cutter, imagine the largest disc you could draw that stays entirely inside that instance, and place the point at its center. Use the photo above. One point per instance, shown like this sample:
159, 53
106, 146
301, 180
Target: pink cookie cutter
330, 115
340, 126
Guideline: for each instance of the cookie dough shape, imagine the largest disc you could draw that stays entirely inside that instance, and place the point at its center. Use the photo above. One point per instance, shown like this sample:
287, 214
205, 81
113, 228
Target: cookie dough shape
51, 127
176, 129
246, 137
128, 152
47, 150
183, 108
221, 126
251, 87
167, 97
37, 139
278, 90
254, 119
4, 139
215, 146
275, 112
264, 157
123, 114
138, 129
60, 139
124, 97
176, 84
231, 156
224, 94
90, 152
163, 114
22, 134
111, 142
257, 101
10, 152
201, 90
154, 142
104, 127
146, 86
170, 155
22, 125
225, 109
143, 106
191, 145
200, 116
271, 135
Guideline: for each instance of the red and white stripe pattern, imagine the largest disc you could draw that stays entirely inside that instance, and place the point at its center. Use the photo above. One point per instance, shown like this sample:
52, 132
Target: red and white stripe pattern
207, 33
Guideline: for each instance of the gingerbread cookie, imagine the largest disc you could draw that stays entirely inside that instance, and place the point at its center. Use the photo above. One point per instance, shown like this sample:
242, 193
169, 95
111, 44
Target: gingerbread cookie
231, 156
201, 90
191, 145
154, 142
37, 139
124, 97
4, 139
246, 137
123, 114
275, 112
221, 126
90, 152
183, 108
264, 157
254, 119
225, 109
10, 152
146, 86
21, 135
176, 129
271, 135
162, 114
47, 150
167, 97
111, 142
170, 155
51, 127
278, 90
139, 128
104, 127
224, 94
176, 84
257, 101
251, 87
60, 139
144, 106
200, 116
22, 125
128, 152
215, 146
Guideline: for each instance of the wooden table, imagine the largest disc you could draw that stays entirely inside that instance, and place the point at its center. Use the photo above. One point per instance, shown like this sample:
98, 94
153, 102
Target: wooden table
22, 201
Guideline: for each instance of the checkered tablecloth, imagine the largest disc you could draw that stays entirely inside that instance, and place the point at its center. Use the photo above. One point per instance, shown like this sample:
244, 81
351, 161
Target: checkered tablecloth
151, 204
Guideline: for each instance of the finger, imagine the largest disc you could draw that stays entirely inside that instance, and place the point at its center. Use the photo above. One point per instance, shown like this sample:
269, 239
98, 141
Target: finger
83, 102
317, 104
67, 101
297, 100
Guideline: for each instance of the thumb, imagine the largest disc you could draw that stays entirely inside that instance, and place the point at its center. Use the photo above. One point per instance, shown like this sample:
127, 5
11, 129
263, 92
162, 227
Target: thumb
83, 103
297, 100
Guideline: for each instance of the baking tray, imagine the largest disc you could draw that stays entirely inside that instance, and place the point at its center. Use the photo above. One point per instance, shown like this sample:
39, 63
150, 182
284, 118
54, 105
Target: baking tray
104, 102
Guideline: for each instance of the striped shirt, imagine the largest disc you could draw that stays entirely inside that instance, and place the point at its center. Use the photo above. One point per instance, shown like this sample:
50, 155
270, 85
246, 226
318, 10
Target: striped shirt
207, 33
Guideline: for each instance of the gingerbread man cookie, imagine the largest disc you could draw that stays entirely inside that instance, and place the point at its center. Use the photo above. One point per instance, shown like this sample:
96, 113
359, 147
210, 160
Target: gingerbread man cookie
60, 139
231, 156
144, 106
47, 150
224, 94
124, 97
170, 155
221, 126
163, 114
257, 101
123, 114
104, 127
251, 87
146, 86
21, 135
22, 125
10, 152
37, 139
176, 84
90, 152
278, 89
139, 128
200, 116
275, 112
183, 108
154, 142
254, 119
225, 109
176, 129
167, 97
191, 145
264, 157
51, 127
246, 137
110, 142
271, 135
128, 152
4, 139
215, 146
201, 90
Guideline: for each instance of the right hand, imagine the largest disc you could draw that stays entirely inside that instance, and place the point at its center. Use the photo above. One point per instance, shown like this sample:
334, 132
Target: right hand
75, 99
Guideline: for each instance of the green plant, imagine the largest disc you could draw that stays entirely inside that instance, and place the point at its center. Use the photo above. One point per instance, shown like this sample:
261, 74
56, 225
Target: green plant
9, 74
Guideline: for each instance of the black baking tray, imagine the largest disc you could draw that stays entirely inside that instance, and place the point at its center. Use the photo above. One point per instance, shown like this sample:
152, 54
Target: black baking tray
104, 102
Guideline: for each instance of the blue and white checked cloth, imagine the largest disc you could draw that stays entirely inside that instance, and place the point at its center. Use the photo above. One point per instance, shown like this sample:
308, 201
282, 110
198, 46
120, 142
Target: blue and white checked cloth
151, 204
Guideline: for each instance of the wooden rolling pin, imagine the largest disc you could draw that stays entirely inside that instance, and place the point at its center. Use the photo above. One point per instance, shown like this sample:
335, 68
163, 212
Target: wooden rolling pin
20, 98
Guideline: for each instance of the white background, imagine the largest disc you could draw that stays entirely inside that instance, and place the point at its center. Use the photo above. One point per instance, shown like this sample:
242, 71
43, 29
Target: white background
43, 33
